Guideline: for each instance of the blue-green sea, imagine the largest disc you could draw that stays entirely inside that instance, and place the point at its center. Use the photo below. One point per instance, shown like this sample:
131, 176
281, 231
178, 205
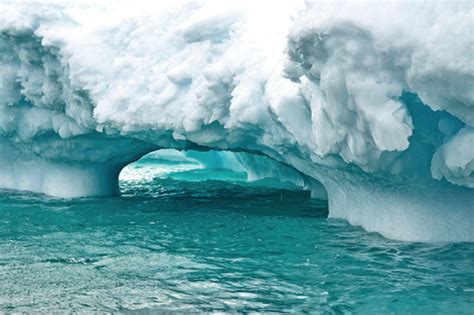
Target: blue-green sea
182, 238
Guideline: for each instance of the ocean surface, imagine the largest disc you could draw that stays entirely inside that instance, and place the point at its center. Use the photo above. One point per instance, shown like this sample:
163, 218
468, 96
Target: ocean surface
186, 239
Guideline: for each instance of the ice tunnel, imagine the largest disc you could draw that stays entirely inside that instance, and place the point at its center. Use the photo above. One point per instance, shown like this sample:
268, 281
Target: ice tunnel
378, 118
234, 167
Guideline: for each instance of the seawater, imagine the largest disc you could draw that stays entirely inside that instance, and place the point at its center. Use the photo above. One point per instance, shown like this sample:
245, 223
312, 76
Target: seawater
186, 239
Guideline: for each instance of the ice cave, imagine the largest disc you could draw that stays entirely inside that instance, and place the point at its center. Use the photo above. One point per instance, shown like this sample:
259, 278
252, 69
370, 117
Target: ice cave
378, 119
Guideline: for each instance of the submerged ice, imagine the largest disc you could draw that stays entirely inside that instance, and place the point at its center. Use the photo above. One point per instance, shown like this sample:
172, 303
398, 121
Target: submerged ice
369, 105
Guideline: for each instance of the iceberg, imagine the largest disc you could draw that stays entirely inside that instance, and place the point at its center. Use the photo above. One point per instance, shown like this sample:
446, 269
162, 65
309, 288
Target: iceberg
370, 105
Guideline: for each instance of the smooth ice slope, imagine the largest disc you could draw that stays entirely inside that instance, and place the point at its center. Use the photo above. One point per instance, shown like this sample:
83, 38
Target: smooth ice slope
374, 101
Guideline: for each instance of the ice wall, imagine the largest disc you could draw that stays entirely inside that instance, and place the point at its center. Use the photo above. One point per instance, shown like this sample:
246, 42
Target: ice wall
373, 100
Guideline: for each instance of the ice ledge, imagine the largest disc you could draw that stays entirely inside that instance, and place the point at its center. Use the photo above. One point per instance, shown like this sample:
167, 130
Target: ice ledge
78, 167
436, 212
60, 179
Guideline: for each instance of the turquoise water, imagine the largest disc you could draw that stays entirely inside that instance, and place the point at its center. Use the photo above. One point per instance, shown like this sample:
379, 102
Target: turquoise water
184, 239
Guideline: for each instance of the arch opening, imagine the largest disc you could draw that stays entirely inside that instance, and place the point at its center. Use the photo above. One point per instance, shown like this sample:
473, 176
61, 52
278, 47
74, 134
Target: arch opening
223, 177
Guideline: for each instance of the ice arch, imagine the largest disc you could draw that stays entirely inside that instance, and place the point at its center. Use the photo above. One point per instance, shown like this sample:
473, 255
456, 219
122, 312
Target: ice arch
226, 165
381, 115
